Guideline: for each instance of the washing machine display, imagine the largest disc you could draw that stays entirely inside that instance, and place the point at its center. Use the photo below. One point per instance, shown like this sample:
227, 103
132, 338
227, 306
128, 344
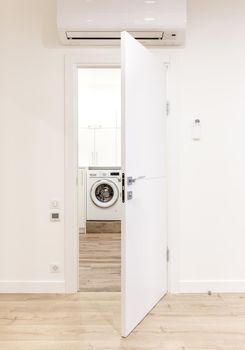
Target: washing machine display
104, 195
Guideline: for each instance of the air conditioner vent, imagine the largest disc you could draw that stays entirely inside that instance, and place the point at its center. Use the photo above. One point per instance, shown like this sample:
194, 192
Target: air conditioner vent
113, 38
77, 35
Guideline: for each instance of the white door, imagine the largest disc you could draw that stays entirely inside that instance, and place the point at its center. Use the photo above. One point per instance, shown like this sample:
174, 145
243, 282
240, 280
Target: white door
144, 235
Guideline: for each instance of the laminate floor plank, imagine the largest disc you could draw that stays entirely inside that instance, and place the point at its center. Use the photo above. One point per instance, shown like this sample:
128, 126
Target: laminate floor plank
100, 262
91, 321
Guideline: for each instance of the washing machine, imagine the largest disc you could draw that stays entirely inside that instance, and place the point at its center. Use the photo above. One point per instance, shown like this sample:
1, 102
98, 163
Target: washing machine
104, 194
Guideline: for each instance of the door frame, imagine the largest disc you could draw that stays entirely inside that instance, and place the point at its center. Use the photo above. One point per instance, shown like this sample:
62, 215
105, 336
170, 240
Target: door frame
89, 58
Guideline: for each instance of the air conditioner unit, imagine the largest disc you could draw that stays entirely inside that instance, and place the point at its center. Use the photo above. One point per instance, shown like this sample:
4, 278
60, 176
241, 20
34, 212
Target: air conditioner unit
100, 22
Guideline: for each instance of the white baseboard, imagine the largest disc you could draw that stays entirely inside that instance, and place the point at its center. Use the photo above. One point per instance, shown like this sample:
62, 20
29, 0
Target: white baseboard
32, 286
215, 286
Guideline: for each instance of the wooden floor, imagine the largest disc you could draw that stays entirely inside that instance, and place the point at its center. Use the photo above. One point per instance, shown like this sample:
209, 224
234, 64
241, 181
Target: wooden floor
103, 226
100, 262
91, 321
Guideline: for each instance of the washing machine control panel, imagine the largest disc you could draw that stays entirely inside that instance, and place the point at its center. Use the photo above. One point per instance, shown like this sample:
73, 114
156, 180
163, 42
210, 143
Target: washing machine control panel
104, 174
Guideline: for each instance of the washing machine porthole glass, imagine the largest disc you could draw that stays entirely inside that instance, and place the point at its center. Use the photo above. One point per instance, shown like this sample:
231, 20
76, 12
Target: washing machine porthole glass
104, 193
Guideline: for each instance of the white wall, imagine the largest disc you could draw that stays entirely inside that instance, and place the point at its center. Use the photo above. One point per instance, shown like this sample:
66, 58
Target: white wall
212, 172
31, 144
207, 187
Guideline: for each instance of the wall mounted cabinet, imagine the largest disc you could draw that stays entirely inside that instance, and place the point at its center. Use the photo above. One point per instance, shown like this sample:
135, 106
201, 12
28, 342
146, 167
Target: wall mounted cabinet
99, 146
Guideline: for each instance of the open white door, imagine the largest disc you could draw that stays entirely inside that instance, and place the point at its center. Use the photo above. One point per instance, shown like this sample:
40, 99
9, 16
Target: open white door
144, 234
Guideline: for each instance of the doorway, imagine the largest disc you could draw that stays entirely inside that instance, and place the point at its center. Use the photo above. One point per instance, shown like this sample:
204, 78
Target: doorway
99, 179
144, 232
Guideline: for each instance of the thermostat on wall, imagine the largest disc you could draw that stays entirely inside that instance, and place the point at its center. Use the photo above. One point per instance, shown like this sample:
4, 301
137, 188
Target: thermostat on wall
55, 216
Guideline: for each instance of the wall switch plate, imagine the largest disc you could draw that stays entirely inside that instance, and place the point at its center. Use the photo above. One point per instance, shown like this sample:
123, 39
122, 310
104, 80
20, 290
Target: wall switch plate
55, 216
196, 130
55, 268
54, 204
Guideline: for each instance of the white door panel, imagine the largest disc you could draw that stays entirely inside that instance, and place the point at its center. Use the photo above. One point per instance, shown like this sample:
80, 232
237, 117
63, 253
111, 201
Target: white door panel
145, 266
105, 147
144, 234
86, 147
118, 147
145, 108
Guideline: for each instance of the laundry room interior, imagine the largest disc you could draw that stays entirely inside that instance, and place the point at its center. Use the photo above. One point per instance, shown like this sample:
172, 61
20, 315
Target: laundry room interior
99, 178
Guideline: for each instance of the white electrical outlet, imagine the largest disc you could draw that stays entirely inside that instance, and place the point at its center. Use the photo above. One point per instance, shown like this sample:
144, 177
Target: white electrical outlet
55, 268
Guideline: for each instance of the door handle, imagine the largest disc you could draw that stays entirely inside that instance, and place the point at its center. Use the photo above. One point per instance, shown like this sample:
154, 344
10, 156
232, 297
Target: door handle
131, 180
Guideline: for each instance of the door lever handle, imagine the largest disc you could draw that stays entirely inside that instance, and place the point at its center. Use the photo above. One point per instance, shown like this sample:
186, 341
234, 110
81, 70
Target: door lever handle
131, 180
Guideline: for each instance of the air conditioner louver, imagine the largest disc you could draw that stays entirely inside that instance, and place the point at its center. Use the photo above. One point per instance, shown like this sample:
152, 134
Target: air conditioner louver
113, 38
77, 35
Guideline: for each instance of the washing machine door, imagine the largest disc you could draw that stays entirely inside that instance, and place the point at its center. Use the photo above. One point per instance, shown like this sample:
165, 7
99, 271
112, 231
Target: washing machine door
104, 193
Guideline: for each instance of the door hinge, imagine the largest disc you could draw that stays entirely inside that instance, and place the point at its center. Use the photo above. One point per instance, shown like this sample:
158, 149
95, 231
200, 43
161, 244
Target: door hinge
168, 254
167, 108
